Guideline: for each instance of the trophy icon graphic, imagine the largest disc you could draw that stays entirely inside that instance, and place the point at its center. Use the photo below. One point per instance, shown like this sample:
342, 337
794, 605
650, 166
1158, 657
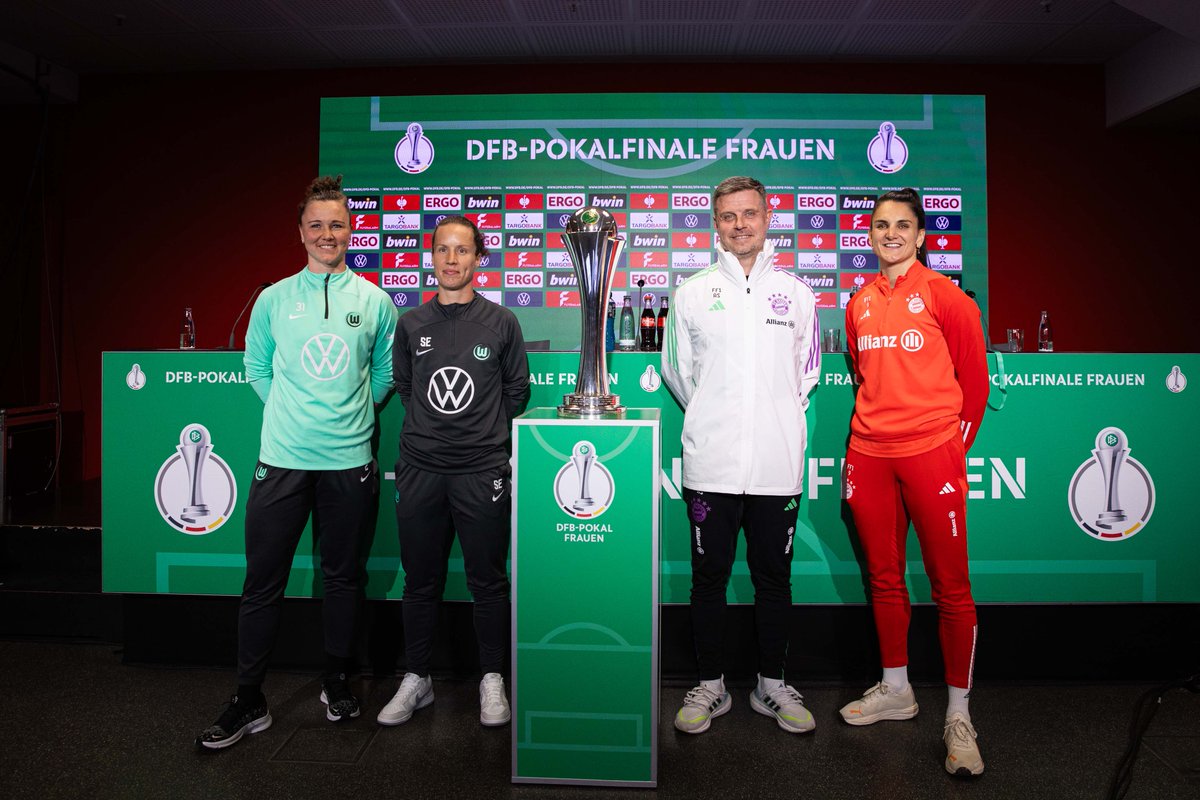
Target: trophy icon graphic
1111, 494
887, 152
194, 447
414, 142
888, 131
194, 490
594, 246
582, 457
414, 151
1112, 448
584, 487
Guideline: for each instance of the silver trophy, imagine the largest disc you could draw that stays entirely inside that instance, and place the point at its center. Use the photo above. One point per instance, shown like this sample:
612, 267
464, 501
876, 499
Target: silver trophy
1112, 449
194, 447
583, 456
592, 241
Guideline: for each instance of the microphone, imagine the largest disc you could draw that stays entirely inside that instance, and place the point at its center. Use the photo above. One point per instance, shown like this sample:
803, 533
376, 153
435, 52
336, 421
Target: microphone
987, 339
999, 350
253, 294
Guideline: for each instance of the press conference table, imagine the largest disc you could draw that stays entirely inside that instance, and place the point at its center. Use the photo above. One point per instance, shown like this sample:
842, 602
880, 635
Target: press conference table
1037, 490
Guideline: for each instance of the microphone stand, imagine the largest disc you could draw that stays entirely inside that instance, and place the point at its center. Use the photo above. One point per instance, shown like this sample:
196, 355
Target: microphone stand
253, 294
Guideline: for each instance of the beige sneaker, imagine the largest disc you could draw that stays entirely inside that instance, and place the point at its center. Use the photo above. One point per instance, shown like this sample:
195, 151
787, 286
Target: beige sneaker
962, 754
879, 703
414, 692
493, 705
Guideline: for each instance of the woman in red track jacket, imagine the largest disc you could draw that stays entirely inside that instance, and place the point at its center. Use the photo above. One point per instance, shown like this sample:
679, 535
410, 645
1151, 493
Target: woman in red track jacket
918, 351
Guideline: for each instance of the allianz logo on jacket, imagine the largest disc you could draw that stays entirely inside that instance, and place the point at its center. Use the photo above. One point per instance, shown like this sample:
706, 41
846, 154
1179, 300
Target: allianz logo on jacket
911, 341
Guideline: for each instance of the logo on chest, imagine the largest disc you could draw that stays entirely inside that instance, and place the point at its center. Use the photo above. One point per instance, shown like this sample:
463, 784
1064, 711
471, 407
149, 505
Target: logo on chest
451, 390
325, 356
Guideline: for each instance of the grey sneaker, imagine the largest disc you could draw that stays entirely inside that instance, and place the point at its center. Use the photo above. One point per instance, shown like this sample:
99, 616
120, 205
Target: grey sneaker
493, 705
414, 692
700, 706
787, 707
962, 753
881, 702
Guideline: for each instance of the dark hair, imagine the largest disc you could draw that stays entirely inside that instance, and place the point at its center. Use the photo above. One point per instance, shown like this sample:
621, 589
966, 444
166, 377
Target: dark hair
909, 197
325, 187
458, 219
738, 183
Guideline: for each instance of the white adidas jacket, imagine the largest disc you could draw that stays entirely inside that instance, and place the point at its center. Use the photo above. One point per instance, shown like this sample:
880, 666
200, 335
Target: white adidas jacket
742, 355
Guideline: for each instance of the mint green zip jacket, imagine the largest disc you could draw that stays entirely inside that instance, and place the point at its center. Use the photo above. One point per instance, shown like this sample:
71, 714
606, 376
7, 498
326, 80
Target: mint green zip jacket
318, 352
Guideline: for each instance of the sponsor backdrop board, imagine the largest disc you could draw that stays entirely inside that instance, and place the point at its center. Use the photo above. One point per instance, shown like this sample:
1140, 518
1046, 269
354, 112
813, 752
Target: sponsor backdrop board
518, 165
1047, 522
585, 599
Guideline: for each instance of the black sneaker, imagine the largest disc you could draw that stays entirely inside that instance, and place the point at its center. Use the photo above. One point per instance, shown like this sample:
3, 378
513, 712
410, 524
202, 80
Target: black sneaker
237, 719
340, 702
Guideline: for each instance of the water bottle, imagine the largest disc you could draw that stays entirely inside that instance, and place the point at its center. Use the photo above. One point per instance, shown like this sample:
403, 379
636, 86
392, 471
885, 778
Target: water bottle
610, 334
625, 340
1045, 334
187, 331
662, 323
648, 324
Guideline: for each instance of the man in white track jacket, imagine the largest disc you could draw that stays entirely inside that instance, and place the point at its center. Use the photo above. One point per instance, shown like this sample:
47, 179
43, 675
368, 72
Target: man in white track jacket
742, 355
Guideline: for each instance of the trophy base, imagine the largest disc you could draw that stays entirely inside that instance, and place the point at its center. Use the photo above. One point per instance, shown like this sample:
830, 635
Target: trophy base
591, 406
193, 513
1110, 519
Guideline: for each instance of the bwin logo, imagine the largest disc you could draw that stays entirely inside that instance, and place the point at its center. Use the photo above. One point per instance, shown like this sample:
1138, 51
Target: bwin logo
451, 390
325, 356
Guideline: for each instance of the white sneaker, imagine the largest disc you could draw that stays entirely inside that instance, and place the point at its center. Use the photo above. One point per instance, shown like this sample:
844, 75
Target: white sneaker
880, 702
962, 754
414, 692
787, 707
493, 705
700, 706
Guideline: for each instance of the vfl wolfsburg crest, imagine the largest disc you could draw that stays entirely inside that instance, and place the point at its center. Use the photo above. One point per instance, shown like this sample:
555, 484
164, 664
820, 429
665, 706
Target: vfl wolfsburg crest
354, 319
195, 490
481, 352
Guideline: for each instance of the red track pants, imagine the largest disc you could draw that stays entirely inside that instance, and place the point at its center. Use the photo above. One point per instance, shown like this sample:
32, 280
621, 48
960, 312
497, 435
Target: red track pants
931, 490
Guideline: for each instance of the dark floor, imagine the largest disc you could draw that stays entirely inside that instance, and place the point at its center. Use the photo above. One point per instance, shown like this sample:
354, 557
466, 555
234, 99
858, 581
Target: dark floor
79, 723
79, 720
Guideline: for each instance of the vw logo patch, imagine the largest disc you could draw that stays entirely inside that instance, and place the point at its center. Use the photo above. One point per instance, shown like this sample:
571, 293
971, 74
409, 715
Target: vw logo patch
325, 356
451, 390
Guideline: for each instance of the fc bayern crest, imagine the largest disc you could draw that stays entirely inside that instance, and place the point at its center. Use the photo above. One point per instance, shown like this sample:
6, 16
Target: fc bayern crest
887, 152
195, 490
584, 487
1111, 495
414, 153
